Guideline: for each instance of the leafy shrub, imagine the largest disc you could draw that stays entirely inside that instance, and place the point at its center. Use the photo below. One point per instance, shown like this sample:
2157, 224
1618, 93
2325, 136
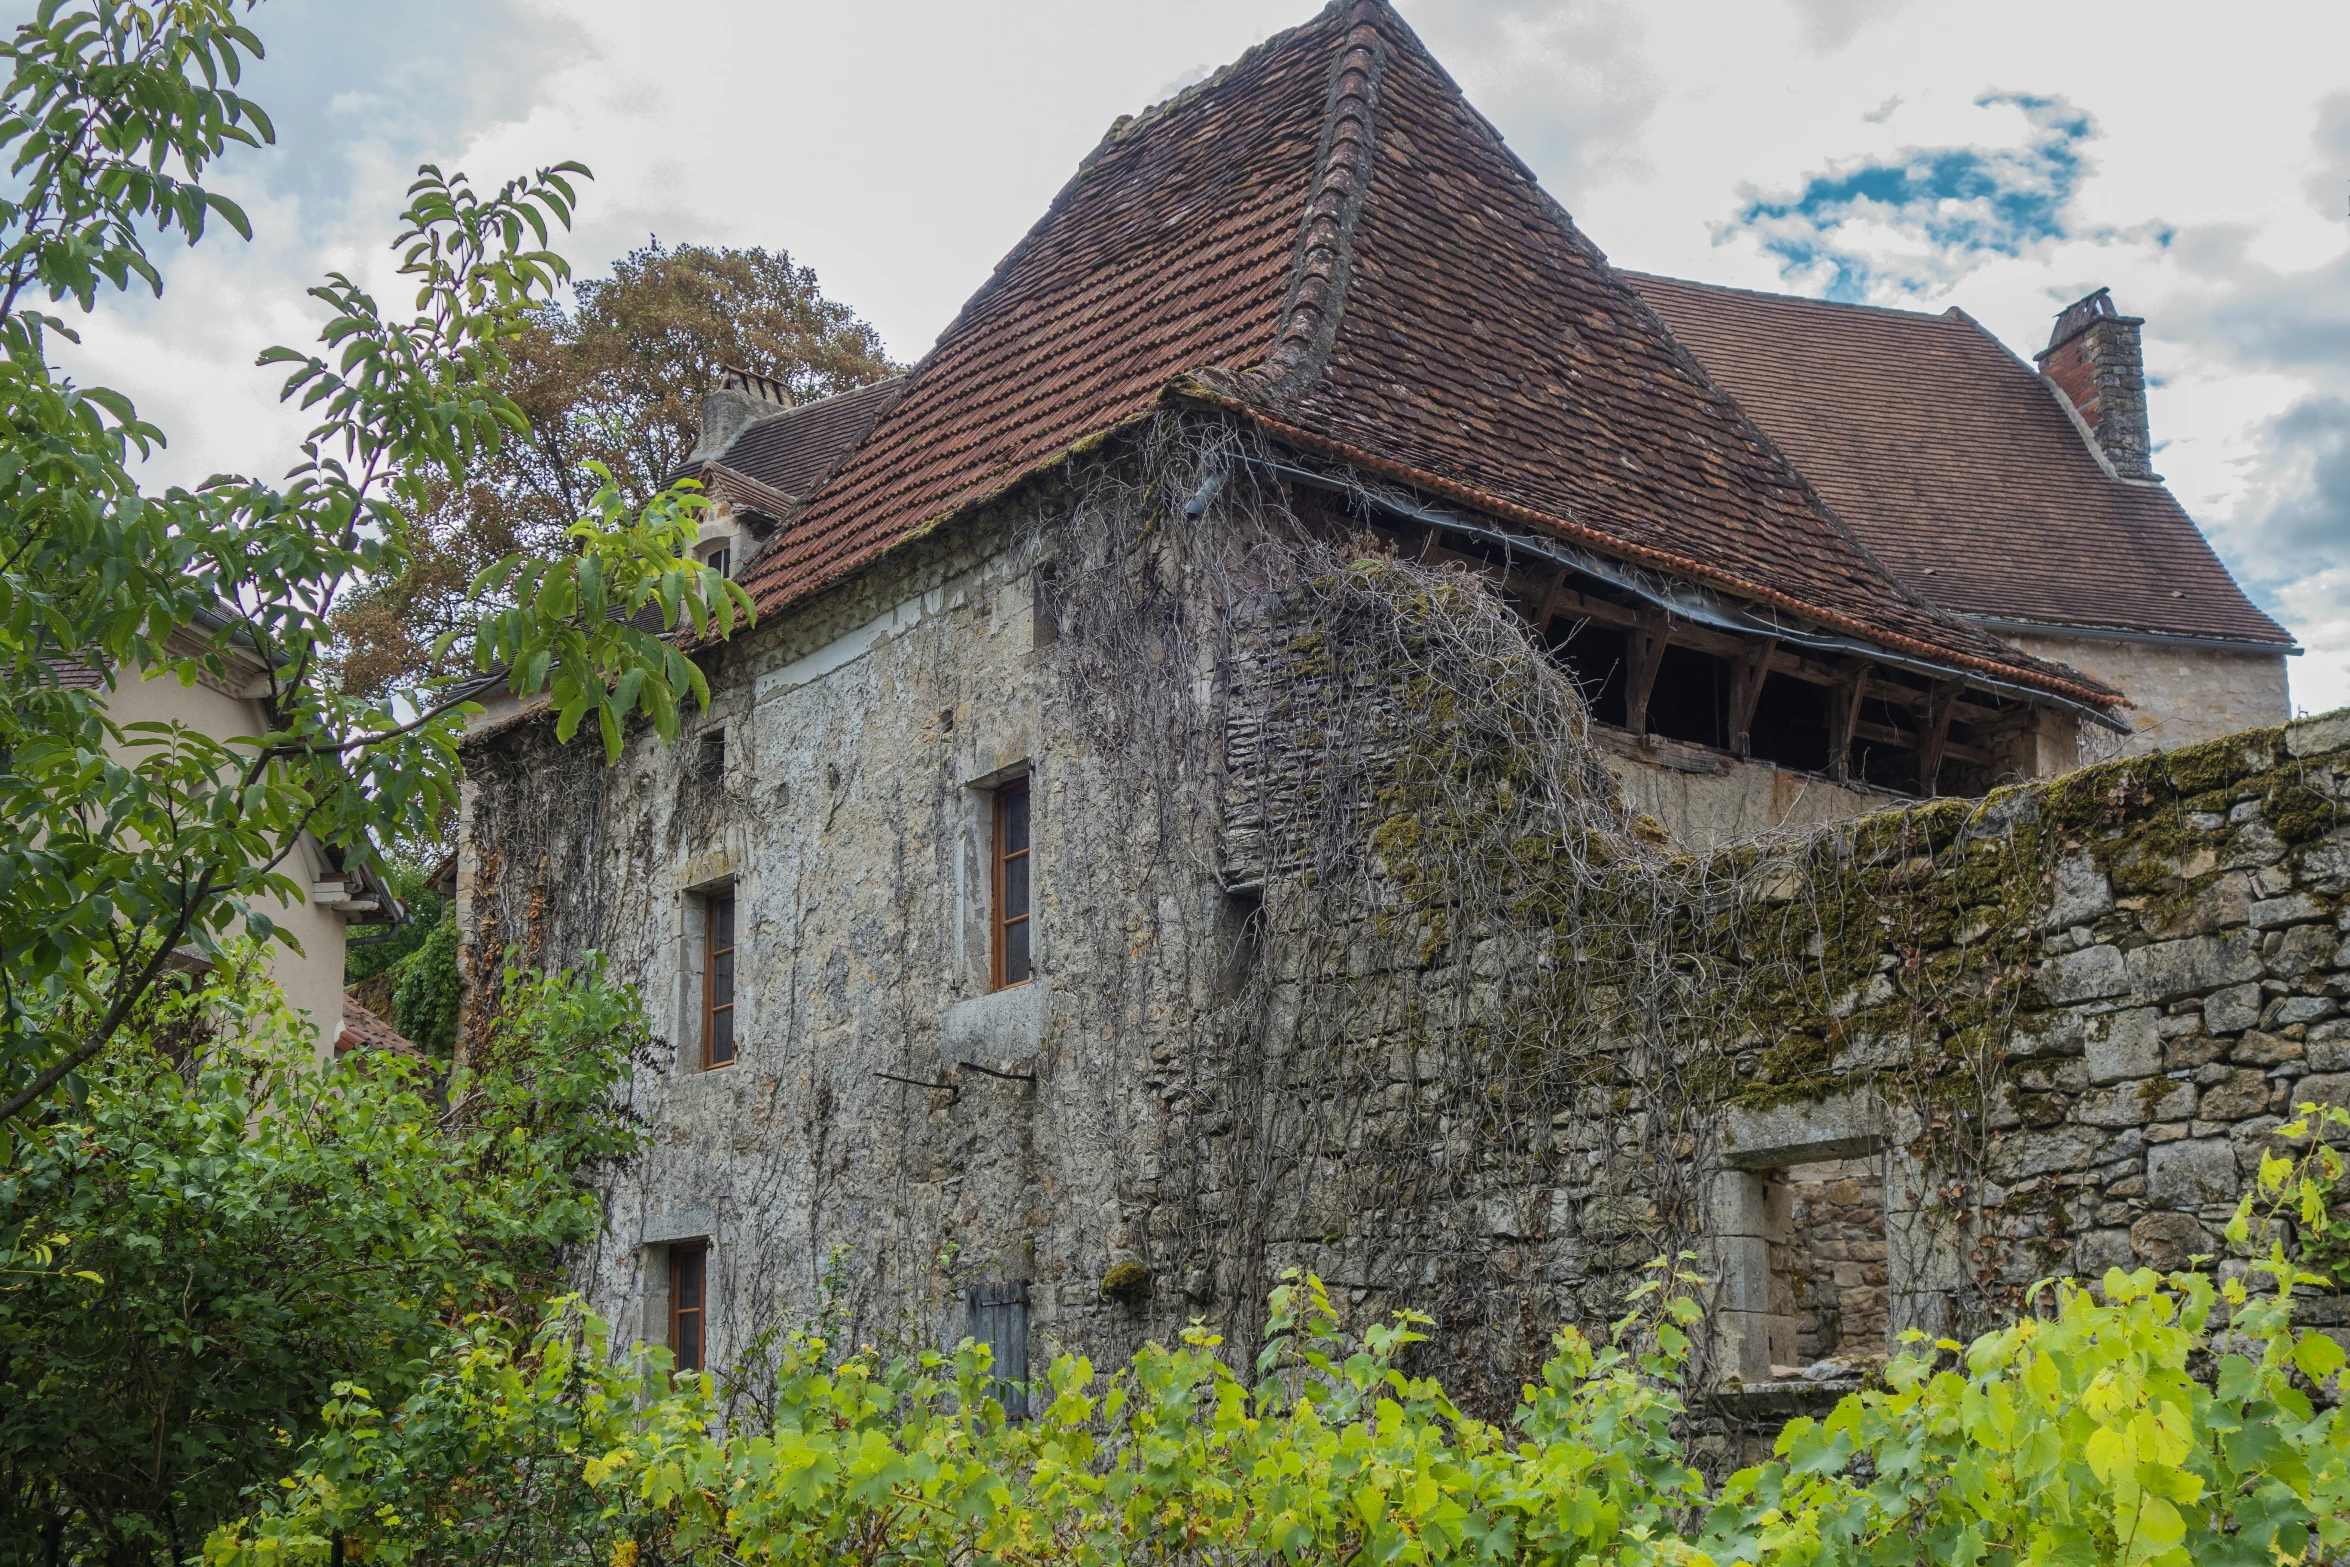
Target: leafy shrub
2150, 1420
244, 1227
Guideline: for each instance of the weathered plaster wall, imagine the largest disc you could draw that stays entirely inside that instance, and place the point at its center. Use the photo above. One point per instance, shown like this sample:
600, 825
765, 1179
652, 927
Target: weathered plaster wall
2184, 695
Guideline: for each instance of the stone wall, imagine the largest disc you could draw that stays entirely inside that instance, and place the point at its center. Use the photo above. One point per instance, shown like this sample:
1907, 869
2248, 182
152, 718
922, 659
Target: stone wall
2183, 695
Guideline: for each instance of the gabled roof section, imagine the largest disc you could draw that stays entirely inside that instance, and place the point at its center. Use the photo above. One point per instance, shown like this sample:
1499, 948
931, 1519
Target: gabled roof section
774, 464
1955, 465
1327, 238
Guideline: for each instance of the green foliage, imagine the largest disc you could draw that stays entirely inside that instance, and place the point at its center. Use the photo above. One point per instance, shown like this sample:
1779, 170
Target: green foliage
2147, 1421
430, 992
121, 844
236, 1227
372, 954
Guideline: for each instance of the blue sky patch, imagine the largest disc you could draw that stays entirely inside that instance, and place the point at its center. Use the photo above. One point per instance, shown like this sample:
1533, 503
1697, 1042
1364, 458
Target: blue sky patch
1917, 221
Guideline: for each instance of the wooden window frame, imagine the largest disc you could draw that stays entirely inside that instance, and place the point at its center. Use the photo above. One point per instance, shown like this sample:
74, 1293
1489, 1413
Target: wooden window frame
695, 1254
712, 1006
1000, 925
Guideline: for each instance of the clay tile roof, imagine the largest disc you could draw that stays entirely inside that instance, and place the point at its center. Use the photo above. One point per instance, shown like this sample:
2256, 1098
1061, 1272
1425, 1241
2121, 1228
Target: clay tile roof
363, 1030
1326, 238
789, 453
1948, 458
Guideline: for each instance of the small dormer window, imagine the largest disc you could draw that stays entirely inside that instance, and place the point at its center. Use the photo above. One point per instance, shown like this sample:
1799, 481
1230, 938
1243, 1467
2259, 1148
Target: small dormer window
720, 559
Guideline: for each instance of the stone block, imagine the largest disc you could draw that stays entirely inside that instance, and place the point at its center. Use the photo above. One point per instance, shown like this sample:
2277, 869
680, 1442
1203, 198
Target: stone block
2317, 736
2301, 1009
2123, 1045
2303, 948
2291, 909
2098, 1250
2085, 975
1844, 1126
2233, 1010
2167, 970
999, 1029
2021, 1155
2242, 1094
2081, 894
2124, 1104
2191, 1173
2164, 1241
2325, 1088
2259, 1049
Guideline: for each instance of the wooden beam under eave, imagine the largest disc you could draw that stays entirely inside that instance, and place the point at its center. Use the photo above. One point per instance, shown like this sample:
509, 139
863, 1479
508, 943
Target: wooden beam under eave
1647, 653
1844, 720
1746, 693
1936, 743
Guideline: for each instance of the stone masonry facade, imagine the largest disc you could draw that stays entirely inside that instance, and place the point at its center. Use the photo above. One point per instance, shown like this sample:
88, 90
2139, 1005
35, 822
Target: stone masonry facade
1923, 1058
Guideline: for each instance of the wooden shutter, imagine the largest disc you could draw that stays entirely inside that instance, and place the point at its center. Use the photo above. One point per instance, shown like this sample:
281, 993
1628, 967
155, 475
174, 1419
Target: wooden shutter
999, 1319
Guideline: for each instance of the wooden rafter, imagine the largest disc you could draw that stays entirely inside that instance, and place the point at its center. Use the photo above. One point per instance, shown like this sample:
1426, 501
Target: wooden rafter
1745, 692
1844, 720
1936, 742
1647, 649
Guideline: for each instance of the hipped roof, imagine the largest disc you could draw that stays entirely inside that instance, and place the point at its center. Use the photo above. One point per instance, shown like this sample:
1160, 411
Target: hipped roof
1327, 239
1956, 466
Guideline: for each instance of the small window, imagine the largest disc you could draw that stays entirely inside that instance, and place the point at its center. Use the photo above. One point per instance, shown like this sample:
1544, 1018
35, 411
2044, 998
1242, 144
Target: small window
718, 979
720, 560
712, 760
1012, 885
689, 1278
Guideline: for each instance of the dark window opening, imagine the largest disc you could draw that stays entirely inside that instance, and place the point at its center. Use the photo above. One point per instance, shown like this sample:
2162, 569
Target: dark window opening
721, 561
688, 1285
710, 761
999, 1319
1886, 747
718, 980
1045, 607
1011, 945
1599, 658
1240, 940
1691, 698
1791, 724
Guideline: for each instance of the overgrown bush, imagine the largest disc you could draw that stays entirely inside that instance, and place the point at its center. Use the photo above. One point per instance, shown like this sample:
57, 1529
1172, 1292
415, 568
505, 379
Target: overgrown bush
245, 1227
2149, 1420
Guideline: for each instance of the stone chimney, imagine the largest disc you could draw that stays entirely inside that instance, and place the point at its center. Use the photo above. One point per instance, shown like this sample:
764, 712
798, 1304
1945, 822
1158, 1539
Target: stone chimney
2093, 358
741, 397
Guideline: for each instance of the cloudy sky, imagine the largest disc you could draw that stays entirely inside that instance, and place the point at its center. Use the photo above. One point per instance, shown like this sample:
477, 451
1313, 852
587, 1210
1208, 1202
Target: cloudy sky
2002, 155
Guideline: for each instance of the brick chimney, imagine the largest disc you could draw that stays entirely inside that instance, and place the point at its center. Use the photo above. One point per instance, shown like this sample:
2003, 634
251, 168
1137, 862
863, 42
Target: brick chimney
740, 398
2093, 358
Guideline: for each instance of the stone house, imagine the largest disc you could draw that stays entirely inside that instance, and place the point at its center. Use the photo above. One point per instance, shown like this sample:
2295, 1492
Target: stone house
1249, 758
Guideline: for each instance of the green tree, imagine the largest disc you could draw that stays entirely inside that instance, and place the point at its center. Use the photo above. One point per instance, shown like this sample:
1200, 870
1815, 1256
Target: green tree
248, 1226
119, 848
615, 380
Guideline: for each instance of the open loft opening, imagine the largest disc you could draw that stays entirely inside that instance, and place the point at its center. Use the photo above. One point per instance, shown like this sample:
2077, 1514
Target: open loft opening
1660, 662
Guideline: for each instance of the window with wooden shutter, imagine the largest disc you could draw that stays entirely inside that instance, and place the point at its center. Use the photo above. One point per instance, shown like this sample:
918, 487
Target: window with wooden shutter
1012, 886
689, 1279
718, 979
998, 1314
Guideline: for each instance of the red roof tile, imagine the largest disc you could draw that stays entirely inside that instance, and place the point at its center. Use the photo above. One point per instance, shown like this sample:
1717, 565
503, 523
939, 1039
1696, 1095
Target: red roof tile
363, 1030
1326, 237
1949, 459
